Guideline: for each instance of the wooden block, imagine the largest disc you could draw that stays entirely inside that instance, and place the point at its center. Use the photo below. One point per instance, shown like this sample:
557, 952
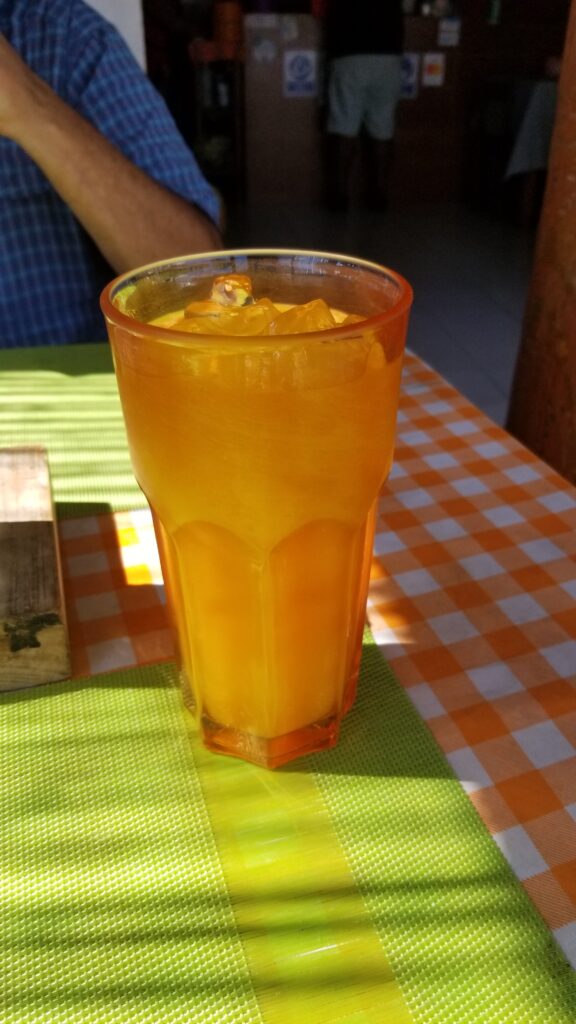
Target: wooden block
34, 644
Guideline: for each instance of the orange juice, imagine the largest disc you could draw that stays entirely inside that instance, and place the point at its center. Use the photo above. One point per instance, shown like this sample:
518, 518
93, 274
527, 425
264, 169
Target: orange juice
262, 458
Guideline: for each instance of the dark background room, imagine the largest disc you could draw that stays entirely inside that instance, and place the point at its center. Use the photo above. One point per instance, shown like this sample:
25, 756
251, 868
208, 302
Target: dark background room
466, 184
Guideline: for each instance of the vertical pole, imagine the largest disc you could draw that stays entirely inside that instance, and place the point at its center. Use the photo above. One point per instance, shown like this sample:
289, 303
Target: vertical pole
542, 411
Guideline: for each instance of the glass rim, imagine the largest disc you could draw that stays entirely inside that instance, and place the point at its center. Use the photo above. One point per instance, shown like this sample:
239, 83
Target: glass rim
174, 336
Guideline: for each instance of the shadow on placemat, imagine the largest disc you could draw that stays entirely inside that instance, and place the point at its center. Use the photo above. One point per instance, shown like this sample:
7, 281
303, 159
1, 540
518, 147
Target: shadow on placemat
73, 360
157, 677
382, 734
81, 509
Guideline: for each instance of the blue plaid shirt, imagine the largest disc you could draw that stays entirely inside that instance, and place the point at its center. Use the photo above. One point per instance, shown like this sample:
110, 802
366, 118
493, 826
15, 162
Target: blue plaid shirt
51, 273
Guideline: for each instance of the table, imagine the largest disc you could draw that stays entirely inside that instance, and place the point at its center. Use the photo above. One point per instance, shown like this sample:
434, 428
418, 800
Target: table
424, 870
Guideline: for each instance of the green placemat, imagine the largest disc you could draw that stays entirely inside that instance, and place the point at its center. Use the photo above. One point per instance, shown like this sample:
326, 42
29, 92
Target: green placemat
144, 879
114, 905
66, 399
147, 880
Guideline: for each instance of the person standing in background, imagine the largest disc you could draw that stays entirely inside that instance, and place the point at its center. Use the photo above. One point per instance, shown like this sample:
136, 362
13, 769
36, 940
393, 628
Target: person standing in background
363, 46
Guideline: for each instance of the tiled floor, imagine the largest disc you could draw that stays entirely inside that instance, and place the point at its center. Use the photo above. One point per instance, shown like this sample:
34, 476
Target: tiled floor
469, 271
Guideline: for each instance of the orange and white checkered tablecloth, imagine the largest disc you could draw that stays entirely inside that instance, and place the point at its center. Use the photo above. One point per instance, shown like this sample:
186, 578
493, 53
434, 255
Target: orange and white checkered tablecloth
472, 600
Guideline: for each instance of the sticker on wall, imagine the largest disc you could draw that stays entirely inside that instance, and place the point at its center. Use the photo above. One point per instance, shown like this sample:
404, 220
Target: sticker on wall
300, 73
433, 69
289, 28
264, 50
261, 21
449, 32
409, 75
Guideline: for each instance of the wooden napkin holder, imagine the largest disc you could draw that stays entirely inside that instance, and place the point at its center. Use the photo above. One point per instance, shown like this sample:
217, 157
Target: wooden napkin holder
34, 645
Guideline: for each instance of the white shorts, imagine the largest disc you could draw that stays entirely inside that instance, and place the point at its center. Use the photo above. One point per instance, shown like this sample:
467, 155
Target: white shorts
363, 90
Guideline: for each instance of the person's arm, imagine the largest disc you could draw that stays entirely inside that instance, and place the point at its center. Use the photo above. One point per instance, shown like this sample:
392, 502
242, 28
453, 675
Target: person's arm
131, 218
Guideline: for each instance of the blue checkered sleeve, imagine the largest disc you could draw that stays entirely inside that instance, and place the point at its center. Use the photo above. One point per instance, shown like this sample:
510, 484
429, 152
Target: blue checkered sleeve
106, 85
51, 273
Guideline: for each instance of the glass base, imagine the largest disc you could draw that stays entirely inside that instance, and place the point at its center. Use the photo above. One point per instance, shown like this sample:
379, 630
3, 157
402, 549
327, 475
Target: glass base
350, 692
269, 752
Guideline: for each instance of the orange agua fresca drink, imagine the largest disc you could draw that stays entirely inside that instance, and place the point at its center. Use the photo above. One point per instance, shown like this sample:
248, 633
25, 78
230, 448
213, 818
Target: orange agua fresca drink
259, 391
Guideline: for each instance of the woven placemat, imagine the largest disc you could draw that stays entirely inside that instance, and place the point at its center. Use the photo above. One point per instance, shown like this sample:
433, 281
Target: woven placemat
114, 904
66, 399
144, 879
147, 880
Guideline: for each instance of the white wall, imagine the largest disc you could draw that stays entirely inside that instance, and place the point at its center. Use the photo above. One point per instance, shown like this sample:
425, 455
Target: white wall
126, 15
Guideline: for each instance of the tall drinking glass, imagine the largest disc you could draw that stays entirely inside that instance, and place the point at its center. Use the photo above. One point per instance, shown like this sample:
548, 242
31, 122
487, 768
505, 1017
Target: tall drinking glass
262, 458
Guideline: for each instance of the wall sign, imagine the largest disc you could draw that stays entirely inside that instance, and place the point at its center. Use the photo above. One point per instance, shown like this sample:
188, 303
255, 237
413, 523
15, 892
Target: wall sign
433, 69
449, 31
409, 75
300, 73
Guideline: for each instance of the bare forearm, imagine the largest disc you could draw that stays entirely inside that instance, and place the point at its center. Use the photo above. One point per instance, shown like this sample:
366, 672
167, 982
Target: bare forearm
131, 218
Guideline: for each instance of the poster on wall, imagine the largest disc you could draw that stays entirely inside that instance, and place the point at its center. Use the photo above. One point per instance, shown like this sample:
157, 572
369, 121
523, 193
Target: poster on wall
300, 77
409, 75
449, 32
433, 69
